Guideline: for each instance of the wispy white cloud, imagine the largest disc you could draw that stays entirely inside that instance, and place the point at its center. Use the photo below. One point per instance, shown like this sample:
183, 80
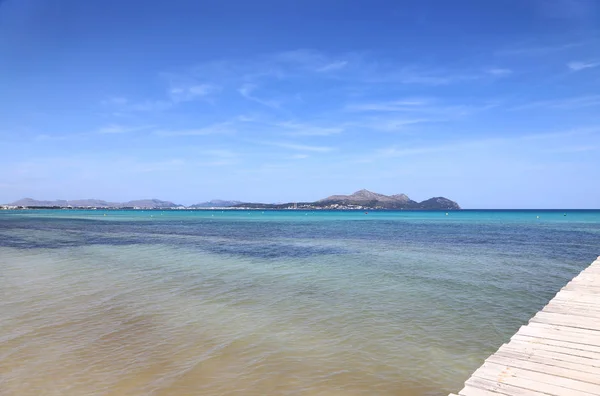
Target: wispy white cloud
298, 156
332, 66
393, 106
158, 166
47, 137
115, 129
538, 50
247, 90
566, 9
425, 109
220, 128
577, 66
575, 149
299, 147
389, 124
348, 66
184, 93
300, 129
412, 74
147, 105
563, 103
309, 60
178, 90
220, 153
115, 100
479, 143
499, 72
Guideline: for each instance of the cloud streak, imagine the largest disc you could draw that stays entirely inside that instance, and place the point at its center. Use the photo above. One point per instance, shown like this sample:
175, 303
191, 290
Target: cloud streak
215, 129
499, 72
186, 93
298, 129
332, 66
300, 147
566, 9
247, 90
578, 66
118, 129
563, 103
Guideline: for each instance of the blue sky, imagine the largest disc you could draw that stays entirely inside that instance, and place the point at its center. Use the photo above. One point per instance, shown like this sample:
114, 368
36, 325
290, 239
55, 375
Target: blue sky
495, 104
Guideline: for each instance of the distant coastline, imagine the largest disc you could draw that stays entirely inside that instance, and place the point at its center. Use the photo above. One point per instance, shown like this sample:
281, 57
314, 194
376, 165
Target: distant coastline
360, 200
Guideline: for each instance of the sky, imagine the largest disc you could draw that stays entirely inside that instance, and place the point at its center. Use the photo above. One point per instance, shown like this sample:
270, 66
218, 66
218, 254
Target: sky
493, 104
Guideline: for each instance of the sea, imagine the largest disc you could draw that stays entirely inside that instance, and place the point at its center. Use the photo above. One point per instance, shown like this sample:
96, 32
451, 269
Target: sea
234, 302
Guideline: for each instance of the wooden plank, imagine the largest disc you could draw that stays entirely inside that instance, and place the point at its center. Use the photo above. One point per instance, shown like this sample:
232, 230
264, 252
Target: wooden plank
574, 304
558, 371
470, 390
585, 277
588, 290
578, 348
569, 295
475, 385
545, 360
556, 353
565, 329
535, 381
558, 333
584, 281
577, 310
576, 294
559, 336
583, 307
588, 287
566, 320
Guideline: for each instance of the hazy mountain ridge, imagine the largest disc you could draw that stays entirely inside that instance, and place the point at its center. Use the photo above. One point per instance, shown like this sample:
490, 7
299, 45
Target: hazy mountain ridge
95, 203
360, 199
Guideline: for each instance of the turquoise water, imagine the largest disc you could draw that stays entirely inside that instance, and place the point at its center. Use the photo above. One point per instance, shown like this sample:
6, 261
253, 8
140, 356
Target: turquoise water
274, 302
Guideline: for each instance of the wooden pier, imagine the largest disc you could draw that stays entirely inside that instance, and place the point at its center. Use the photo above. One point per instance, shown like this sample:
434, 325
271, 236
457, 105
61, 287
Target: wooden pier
557, 353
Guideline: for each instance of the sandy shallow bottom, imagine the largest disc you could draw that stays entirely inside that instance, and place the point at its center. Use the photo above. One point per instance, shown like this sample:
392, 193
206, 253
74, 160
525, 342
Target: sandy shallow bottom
177, 316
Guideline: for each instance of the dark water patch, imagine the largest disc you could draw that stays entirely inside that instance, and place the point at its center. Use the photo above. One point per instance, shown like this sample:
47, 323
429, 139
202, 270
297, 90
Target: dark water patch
571, 242
271, 250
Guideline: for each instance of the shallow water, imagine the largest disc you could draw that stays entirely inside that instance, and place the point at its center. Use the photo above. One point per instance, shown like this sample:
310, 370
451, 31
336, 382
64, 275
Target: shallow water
281, 303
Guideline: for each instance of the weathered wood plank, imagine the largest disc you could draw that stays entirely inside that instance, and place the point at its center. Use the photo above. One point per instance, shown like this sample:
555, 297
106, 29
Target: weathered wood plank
539, 363
566, 320
556, 353
474, 385
587, 311
578, 348
535, 381
583, 288
556, 333
470, 390
569, 295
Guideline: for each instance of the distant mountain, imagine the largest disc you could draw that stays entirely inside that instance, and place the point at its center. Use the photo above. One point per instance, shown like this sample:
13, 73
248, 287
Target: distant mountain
364, 199
35, 202
361, 196
95, 203
216, 203
438, 203
397, 201
361, 199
